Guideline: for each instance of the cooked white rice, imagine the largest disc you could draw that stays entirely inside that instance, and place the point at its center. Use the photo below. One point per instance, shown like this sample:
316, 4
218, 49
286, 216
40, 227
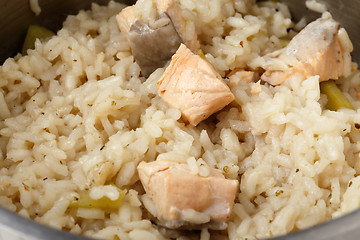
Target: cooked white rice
316, 6
76, 114
35, 7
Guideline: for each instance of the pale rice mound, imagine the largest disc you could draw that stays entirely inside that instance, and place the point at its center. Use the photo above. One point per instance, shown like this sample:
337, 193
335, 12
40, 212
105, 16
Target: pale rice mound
75, 114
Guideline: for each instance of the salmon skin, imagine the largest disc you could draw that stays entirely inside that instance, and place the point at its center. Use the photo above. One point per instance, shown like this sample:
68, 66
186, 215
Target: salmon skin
153, 46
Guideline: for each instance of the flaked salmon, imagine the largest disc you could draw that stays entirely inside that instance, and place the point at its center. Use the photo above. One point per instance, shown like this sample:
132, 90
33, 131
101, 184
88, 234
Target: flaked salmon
175, 190
237, 75
192, 85
318, 49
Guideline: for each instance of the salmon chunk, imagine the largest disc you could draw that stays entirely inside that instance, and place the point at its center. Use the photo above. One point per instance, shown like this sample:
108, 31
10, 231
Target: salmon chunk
125, 19
316, 50
152, 48
152, 45
175, 192
192, 85
173, 9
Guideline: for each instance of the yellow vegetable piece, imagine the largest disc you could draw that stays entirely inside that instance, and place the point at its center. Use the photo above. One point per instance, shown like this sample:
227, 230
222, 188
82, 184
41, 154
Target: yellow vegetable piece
201, 54
284, 42
34, 32
336, 99
85, 201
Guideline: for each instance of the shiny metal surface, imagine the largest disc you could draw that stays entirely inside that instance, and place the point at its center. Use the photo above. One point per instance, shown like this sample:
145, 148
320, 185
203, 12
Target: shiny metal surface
15, 227
15, 16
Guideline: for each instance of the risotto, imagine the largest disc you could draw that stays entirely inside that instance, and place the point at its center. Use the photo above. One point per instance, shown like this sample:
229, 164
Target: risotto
80, 119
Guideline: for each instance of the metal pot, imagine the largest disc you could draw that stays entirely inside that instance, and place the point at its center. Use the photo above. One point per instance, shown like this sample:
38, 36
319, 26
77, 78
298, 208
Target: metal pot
15, 16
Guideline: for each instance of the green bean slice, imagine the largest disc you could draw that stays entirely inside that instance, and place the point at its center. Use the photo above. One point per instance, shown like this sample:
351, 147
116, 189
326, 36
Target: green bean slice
85, 201
34, 32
